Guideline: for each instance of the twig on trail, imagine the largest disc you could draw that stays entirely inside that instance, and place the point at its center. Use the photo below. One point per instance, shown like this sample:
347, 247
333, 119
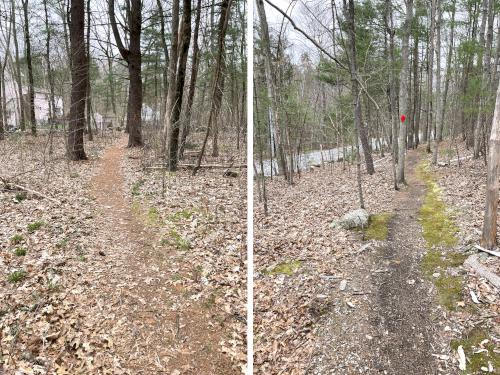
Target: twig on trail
363, 248
473, 263
11, 185
491, 252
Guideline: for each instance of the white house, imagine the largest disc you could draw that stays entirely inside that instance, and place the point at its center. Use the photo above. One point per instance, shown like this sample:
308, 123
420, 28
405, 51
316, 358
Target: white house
42, 98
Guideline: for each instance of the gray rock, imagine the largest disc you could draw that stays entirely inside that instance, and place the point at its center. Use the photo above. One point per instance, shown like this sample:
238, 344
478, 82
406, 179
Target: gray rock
354, 219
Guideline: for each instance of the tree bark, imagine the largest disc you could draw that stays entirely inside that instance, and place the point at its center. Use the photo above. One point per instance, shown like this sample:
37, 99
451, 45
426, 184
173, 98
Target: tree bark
88, 98
355, 92
177, 85
404, 92
195, 62
50, 76
216, 87
133, 57
489, 235
31, 88
21, 104
439, 100
75, 147
274, 122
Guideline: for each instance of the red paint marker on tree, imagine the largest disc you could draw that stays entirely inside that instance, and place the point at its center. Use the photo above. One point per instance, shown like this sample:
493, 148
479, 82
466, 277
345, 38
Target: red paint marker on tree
403, 118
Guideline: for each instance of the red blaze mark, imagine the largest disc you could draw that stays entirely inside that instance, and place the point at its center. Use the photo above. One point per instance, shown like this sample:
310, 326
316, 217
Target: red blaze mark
403, 118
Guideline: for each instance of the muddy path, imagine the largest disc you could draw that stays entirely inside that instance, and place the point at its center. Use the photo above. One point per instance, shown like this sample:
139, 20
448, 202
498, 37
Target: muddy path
154, 327
385, 321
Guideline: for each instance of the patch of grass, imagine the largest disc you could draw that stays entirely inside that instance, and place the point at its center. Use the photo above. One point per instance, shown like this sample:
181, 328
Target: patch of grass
153, 216
378, 227
20, 251
136, 207
183, 214
439, 228
178, 241
471, 343
20, 196
449, 291
209, 302
74, 175
16, 239
62, 244
32, 227
447, 152
53, 286
16, 276
285, 268
136, 187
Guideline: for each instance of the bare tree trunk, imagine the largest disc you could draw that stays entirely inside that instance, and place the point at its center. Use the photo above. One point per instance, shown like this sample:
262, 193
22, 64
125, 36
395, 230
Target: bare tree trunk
75, 148
18, 68
163, 104
274, 123
484, 61
50, 76
216, 89
358, 121
88, 98
489, 235
439, 101
404, 92
192, 81
177, 85
133, 57
31, 88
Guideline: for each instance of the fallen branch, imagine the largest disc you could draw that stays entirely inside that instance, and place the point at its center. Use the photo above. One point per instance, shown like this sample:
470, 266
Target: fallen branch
11, 185
191, 166
491, 252
472, 263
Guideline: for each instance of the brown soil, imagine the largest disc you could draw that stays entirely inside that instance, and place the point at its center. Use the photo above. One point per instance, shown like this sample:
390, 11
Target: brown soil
155, 329
393, 327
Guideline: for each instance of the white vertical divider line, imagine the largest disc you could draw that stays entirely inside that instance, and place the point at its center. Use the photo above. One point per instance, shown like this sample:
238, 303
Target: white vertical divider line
250, 19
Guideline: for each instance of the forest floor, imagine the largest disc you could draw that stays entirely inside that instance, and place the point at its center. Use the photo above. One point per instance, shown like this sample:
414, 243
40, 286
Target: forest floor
133, 272
391, 299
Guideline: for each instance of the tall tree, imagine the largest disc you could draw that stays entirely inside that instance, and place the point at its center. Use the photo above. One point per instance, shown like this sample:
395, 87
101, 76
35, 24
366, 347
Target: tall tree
75, 147
176, 84
274, 121
50, 75
133, 57
217, 85
439, 99
489, 234
195, 62
404, 90
88, 98
18, 68
355, 87
31, 85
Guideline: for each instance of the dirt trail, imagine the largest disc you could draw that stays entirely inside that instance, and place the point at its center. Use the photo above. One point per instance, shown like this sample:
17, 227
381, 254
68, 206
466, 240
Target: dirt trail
155, 328
390, 327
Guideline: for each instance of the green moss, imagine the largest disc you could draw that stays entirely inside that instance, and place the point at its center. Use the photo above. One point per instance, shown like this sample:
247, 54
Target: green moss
16, 239
285, 268
434, 260
439, 231
471, 343
438, 226
16, 276
20, 251
35, 226
449, 291
378, 227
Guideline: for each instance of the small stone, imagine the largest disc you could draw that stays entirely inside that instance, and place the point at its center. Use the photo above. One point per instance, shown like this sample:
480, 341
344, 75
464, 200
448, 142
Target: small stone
343, 285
